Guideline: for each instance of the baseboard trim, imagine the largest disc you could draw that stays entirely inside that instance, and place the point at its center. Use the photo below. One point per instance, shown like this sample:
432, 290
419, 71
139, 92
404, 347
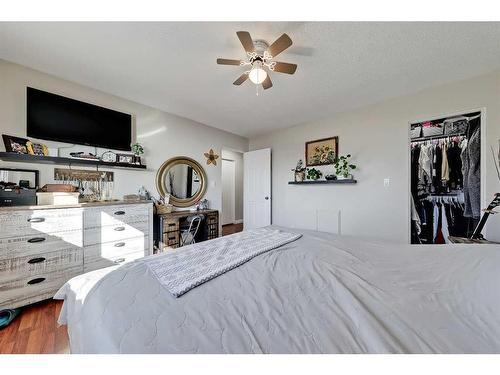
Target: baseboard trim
240, 221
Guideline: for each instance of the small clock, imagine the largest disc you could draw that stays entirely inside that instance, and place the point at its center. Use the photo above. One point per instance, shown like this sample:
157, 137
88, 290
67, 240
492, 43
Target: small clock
109, 156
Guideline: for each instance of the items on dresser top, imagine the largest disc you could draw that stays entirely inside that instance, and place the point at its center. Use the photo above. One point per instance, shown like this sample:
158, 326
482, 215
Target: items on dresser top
17, 186
42, 247
168, 228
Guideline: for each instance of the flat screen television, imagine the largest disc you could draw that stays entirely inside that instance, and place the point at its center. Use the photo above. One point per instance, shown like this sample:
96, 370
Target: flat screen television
57, 118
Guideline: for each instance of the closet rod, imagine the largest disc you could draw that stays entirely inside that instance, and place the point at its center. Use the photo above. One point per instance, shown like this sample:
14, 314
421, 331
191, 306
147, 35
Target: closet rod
430, 138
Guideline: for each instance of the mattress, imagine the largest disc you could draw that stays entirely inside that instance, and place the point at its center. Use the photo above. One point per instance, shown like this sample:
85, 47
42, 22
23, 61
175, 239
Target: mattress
320, 294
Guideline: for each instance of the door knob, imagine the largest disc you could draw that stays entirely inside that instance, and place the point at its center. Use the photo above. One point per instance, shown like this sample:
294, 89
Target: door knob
266, 198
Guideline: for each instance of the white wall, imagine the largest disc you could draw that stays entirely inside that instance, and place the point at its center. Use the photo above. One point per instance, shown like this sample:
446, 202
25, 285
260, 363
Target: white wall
163, 135
237, 157
377, 137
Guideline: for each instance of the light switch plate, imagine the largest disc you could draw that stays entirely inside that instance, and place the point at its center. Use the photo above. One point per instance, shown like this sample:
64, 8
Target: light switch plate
387, 182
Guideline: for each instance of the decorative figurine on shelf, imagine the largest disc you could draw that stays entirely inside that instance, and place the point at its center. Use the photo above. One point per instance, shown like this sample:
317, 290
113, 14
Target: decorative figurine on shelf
343, 168
300, 171
138, 150
202, 205
144, 194
313, 174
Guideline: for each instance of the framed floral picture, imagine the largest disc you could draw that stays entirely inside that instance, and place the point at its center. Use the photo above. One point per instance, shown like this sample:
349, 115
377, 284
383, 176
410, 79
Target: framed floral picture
322, 151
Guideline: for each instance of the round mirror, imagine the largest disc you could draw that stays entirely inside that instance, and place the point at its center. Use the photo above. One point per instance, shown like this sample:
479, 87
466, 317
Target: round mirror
184, 179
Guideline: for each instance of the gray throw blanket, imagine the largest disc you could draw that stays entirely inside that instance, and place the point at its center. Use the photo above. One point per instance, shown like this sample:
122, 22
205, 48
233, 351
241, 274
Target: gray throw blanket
185, 268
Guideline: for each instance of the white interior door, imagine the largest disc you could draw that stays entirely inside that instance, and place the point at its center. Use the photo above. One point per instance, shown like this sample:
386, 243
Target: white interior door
257, 188
228, 192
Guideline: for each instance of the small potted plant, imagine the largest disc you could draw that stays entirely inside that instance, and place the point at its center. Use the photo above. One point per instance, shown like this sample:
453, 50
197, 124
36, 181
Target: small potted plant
138, 150
300, 171
343, 168
313, 174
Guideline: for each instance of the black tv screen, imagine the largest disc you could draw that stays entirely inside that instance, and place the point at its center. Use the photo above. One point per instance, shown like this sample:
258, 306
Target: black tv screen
57, 118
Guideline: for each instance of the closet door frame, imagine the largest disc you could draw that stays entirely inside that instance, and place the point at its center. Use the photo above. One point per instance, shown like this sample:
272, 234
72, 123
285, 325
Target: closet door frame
483, 158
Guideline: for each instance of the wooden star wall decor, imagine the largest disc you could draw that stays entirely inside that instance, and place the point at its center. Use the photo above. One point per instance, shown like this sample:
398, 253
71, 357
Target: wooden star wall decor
211, 157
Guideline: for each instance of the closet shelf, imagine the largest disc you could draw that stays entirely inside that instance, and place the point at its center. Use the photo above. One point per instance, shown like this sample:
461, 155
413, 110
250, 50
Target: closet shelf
322, 182
26, 158
431, 137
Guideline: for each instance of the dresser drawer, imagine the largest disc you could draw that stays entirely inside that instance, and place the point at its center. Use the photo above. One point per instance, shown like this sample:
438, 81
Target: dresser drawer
15, 268
116, 215
34, 288
212, 219
34, 244
115, 232
99, 262
108, 252
170, 225
31, 222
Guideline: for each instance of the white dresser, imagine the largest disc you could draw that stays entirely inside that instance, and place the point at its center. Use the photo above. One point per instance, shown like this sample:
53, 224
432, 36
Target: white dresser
42, 247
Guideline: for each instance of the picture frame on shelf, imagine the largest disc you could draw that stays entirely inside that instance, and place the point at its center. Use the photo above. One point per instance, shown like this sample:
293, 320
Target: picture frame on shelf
125, 158
37, 149
15, 144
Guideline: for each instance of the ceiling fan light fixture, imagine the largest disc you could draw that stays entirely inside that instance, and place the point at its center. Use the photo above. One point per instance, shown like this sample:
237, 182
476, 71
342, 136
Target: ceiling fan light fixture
257, 75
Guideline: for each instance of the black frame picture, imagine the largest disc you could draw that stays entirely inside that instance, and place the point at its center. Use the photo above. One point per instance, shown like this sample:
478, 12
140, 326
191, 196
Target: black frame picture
125, 158
10, 141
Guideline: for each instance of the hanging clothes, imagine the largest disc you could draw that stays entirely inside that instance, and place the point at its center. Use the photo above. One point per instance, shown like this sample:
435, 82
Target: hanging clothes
438, 164
471, 164
455, 165
445, 170
425, 163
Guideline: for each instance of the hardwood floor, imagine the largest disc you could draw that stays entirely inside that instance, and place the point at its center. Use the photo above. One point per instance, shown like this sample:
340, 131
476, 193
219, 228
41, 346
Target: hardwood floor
231, 229
35, 331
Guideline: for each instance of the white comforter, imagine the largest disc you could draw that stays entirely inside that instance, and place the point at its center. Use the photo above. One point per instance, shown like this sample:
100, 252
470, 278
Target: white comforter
319, 294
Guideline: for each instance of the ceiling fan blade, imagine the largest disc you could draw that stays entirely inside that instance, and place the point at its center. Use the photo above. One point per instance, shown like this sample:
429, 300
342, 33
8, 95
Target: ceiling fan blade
246, 41
228, 62
267, 84
282, 67
279, 45
241, 79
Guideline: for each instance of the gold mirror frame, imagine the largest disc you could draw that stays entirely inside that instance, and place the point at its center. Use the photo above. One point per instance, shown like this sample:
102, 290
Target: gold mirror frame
165, 167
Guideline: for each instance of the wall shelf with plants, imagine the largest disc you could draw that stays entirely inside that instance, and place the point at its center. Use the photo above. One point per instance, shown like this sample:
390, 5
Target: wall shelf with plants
307, 176
312, 182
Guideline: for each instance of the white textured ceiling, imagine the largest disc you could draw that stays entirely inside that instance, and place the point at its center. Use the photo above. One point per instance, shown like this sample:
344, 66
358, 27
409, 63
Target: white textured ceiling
171, 66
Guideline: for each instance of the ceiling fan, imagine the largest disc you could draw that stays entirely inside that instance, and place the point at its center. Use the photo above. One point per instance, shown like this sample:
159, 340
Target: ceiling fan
260, 56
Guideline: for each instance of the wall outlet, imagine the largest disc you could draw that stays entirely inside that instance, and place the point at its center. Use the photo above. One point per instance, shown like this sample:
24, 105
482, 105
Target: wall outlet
387, 182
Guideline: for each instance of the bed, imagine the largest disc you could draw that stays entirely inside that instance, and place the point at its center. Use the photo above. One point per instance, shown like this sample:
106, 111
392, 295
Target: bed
322, 293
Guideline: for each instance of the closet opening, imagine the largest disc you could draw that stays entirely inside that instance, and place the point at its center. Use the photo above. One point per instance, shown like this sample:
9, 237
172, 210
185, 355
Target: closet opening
445, 180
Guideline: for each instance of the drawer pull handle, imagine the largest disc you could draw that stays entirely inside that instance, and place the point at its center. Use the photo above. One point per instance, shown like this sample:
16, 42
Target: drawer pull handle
36, 260
120, 260
120, 229
36, 239
36, 220
119, 244
120, 213
38, 280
